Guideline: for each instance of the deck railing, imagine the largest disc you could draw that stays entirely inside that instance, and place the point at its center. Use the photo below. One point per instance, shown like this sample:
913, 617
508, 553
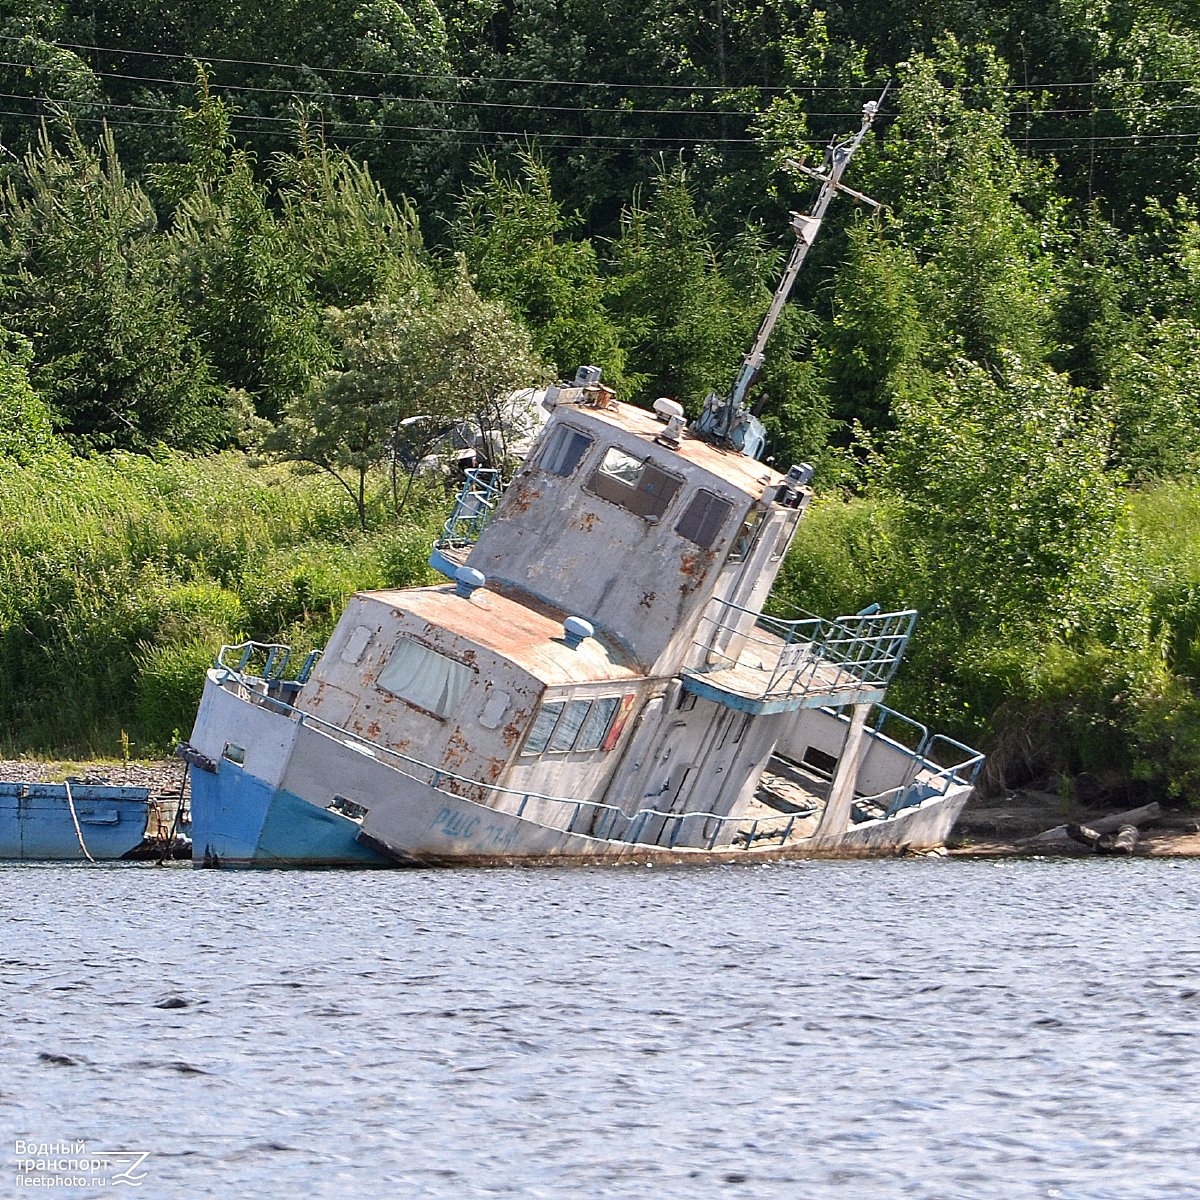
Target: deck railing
806, 655
473, 507
603, 820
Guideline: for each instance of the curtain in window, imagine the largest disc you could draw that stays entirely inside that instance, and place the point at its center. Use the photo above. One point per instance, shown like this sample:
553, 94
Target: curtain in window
425, 678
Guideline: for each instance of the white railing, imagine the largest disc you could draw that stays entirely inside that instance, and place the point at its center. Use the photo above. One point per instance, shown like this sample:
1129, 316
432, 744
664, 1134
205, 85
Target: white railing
808, 655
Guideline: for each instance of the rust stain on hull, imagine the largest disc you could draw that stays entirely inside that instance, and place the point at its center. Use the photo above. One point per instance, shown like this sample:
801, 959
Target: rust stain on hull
523, 498
639, 856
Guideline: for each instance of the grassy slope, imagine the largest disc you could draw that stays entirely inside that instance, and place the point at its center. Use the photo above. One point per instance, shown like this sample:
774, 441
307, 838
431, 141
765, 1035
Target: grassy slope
1115, 693
119, 576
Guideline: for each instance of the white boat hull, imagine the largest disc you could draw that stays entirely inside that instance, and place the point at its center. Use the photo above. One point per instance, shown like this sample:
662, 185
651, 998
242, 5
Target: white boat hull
439, 829
285, 803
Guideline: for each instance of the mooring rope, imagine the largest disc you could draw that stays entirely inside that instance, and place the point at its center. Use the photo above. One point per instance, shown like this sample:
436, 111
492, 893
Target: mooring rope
75, 818
169, 848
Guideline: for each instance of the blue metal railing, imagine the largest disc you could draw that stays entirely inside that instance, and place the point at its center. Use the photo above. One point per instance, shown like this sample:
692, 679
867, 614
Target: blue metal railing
604, 819
473, 508
276, 655
809, 655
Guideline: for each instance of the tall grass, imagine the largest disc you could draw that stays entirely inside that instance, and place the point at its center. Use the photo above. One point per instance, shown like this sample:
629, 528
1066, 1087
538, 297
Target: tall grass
121, 575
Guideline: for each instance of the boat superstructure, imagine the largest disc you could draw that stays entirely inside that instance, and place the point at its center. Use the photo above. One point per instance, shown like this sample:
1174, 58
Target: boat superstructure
597, 681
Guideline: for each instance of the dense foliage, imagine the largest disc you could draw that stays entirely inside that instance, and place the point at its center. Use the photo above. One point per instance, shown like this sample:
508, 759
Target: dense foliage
311, 232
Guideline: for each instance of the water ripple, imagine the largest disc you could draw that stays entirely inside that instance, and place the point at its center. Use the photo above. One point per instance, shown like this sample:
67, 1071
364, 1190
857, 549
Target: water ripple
935, 1030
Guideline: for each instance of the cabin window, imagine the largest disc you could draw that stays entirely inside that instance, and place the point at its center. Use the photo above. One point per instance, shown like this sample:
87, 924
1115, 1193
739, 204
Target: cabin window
747, 536
568, 726
596, 727
543, 727
425, 678
580, 725
638, 486
564, 450
785, 535
704, 519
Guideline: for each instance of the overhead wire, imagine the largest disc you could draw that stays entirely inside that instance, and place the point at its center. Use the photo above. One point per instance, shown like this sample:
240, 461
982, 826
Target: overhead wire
438, 101
1050, 85
360, 96
247, 62
467, 137
374, 125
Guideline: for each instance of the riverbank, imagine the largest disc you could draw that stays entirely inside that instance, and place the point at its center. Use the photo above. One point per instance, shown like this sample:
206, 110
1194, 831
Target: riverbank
1030, 821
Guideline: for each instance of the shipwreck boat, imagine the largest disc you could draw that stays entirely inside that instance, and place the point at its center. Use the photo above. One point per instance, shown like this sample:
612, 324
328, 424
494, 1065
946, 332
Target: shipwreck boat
598, 682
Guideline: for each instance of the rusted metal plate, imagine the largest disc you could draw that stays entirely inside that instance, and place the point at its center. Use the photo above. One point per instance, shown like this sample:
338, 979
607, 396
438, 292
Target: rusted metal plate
528, 633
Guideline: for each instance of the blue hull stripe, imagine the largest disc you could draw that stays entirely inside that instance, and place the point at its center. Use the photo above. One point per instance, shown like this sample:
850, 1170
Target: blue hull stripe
238, 818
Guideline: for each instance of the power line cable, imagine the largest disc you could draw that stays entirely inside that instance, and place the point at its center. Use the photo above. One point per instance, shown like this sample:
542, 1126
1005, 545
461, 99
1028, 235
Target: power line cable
465, 137
249, 62
414, 128
360, 96
579, 83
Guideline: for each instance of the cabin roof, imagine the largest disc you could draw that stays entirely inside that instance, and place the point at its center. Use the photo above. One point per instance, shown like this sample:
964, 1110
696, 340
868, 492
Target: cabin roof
732, 466
525, 631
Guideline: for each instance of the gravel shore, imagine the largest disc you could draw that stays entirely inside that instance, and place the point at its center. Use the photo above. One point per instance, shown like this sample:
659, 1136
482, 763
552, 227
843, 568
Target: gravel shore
162, 778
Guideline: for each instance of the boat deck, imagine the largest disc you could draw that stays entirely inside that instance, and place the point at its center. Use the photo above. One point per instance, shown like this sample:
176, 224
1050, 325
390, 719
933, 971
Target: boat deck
772, 675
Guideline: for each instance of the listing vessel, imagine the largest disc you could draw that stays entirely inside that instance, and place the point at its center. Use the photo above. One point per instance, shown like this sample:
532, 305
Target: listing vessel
598, 682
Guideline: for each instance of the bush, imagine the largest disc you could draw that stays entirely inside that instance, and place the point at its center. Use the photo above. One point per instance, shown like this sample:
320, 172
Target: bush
121, 575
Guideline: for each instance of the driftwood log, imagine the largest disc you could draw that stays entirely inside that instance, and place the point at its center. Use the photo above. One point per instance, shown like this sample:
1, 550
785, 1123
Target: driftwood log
1103, 825
1121, 842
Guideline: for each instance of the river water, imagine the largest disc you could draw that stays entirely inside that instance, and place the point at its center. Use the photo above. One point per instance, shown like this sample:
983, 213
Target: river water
929, 1028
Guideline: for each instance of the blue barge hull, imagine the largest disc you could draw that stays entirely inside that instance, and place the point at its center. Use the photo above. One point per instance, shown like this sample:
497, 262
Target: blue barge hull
36, 824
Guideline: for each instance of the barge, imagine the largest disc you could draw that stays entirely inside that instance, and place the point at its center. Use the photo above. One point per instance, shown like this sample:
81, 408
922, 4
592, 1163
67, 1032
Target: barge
88, 820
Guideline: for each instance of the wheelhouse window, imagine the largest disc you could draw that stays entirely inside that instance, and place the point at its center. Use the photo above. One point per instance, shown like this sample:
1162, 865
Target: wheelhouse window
785, 536
599, 721
747, 536
543, 727
567, 729
622, 478
564, 451
704, 519
580, 725
425, 678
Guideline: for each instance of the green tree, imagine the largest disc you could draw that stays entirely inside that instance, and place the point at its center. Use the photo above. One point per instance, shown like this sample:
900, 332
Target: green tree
25, 427
979, 217
435, 357
517, 243
873, 353
90, 285
358, 244
685, 324
1006, 490
245, 282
